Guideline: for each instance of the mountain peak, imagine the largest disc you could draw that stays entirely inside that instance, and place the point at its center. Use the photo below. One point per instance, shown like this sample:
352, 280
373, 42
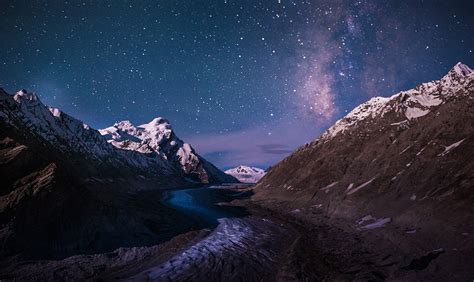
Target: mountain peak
124, 124
413, 103
55, 111
155, 122
22, 92
158, 129
246, 174
462, 69
24, 95
157, 138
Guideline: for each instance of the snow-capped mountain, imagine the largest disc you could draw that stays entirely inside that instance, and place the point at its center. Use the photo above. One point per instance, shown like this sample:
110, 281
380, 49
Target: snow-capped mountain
403, 162
52, 125
410, 104
158, 153
71, 137
246, 174
158, 139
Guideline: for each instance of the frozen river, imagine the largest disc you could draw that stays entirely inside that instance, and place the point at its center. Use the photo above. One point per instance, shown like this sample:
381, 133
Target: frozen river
241, 247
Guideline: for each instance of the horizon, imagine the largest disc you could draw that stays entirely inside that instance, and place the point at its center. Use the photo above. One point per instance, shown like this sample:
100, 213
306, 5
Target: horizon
279, 75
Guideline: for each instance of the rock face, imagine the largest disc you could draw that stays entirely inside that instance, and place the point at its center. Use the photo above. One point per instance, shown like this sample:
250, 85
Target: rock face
246, 174
403, 161
66, 190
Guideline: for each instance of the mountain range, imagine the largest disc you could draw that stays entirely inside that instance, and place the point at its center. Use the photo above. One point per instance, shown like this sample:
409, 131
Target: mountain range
396, 170
66, 187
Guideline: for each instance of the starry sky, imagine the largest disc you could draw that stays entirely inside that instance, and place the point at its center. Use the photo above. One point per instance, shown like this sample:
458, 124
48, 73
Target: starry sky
245, 82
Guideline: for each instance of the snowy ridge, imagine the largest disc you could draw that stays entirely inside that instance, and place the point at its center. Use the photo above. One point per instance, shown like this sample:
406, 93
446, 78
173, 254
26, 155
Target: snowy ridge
372, 108
158, 140
411, 104
69, 135
156, 137
246, 174
57, 127
151, 148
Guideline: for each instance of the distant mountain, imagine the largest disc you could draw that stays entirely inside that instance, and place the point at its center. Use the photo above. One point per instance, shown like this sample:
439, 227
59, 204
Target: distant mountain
246, 174
405, 162
65, 187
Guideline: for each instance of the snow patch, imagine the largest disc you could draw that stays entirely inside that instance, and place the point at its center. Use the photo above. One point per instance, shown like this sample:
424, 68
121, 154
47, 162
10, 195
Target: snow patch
352, 191
365, 219
463, 69
404, 150
421, 151
378, 223
370, 222
412, 113
399, 123
326, 188
55, 111
448, 149
350, 187
425, 99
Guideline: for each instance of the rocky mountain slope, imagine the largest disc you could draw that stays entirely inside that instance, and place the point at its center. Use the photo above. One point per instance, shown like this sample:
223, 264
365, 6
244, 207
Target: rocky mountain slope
66, 189
246, 174
402, 163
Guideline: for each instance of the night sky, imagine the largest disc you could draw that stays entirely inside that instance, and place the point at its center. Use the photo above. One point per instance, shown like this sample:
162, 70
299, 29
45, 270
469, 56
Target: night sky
245, 82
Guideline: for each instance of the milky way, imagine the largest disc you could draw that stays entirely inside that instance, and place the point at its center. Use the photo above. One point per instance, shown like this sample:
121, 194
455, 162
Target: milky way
243, 81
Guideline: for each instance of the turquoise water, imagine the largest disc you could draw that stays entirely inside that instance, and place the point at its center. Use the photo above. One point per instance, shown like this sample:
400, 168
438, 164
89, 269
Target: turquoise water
204, 202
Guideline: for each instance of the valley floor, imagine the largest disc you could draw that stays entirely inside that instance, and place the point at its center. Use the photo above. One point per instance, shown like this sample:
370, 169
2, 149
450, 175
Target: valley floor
238, 240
